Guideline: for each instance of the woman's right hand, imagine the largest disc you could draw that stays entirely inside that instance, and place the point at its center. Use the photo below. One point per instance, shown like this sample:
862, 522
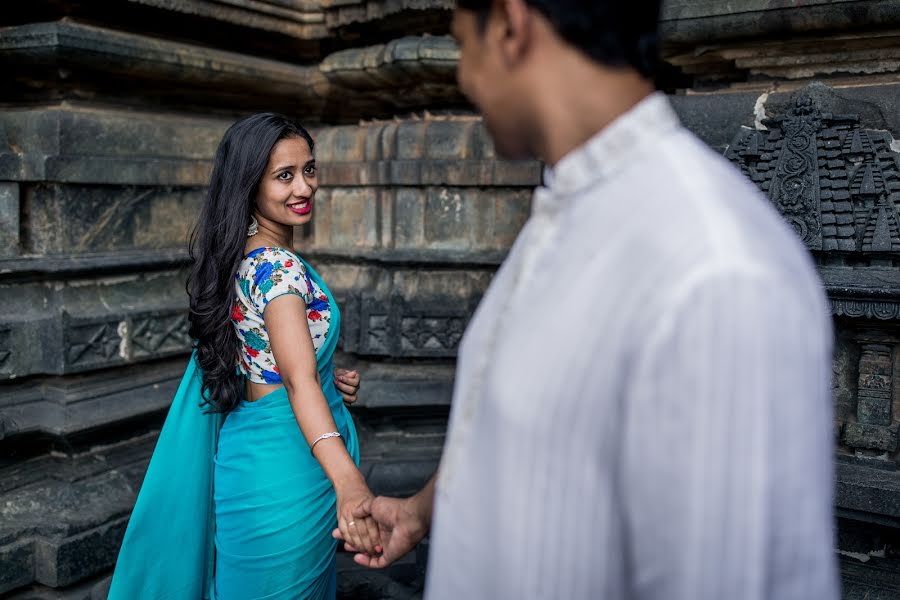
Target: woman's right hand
361, 532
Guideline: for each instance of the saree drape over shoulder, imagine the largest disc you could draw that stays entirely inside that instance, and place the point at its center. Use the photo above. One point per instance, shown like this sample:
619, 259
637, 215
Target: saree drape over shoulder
236, 508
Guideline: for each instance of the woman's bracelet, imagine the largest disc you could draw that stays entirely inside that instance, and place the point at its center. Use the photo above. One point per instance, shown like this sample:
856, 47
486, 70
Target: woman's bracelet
324, 436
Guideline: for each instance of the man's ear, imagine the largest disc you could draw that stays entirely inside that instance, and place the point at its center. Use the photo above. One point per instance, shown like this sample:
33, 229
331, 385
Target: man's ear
518, 28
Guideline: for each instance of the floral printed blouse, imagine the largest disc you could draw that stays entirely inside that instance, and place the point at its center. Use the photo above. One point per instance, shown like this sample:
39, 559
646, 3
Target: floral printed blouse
263, 275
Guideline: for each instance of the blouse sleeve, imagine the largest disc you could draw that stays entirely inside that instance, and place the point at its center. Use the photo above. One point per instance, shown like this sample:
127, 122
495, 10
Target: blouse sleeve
276, 273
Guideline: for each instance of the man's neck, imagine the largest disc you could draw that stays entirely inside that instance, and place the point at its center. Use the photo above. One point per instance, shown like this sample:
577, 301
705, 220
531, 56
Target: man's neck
580, 100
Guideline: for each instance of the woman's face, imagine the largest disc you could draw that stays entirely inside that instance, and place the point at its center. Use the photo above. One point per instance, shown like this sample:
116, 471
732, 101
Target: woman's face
288, 184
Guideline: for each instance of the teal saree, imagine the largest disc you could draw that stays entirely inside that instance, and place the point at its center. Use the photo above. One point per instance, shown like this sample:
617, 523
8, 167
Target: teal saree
238, 509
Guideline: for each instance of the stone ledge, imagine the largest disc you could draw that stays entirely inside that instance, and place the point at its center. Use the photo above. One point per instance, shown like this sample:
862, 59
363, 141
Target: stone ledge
97, 264
304, 19
406, 62
703, 21
340, 13
68, 406
405, 74
865, 492
153, 64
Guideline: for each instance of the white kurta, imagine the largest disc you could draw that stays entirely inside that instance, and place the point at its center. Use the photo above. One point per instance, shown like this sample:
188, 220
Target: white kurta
642, 405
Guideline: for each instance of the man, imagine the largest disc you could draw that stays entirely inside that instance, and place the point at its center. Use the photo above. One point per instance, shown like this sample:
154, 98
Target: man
642, 404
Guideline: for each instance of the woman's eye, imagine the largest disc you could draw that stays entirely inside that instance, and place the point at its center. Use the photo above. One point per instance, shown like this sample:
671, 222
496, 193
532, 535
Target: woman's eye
310, 170
285, 176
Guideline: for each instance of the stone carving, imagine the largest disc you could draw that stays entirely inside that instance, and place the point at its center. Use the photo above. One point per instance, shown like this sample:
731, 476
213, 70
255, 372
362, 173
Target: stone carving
412, 332
5, 349
836, 183
870, 309
157, 334
97, 344
431, 333
92, 343
377, 336
874, 429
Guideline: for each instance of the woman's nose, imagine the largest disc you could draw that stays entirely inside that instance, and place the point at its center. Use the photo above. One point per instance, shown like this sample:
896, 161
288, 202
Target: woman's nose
302, 187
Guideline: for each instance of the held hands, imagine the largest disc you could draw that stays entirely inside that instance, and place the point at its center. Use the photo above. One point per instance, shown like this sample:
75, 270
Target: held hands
400, 527
347, 383
359, 529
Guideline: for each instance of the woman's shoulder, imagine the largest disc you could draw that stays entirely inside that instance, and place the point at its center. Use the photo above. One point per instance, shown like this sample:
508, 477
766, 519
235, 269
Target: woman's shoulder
272, 258
266, 273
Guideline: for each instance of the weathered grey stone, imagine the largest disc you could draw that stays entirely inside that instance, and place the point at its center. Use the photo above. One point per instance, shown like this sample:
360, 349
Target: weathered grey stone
408, 62
875, 437
696, 21
346, 12
397, 224
80, 145
9, 219
63, 407
81, 219
75, 45
17, 560
303, 19
867, 490
86, 325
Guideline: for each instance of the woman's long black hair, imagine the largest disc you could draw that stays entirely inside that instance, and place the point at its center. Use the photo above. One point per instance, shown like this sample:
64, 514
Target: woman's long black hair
217, 248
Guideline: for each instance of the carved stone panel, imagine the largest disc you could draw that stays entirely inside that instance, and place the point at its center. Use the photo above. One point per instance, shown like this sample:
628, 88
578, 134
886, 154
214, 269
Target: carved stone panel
412, 331
93, 343
875, 428
835, 182
5, 350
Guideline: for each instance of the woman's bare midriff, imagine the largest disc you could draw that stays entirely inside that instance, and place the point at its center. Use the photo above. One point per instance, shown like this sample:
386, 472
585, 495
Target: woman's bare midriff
255, 391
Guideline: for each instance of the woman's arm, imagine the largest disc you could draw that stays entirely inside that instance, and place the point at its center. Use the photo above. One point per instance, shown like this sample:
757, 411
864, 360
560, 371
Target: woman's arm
292, 347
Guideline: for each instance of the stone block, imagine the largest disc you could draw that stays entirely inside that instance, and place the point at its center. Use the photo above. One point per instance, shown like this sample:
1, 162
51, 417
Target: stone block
449, 139
9, 219
867, 491
874, 437
61, 563
353, 221
66, 408
411, 142
78, 219
113, 146
16, 565
427, 223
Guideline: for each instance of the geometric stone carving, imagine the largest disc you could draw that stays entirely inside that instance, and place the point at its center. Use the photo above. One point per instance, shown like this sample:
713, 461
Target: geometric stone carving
412, 333
160, 333
93, 343
97, 343
837, 184
426, 334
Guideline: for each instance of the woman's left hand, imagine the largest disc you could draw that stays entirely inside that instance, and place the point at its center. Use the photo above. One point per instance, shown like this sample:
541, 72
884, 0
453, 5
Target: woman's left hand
347, 383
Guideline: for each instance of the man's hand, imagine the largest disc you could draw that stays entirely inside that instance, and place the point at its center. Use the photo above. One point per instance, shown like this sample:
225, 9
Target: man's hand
401, 524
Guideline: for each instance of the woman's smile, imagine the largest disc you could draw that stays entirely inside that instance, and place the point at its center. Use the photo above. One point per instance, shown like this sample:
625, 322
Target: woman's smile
300, 207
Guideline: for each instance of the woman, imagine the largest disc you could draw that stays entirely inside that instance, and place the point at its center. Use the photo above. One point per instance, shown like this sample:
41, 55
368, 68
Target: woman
244, 474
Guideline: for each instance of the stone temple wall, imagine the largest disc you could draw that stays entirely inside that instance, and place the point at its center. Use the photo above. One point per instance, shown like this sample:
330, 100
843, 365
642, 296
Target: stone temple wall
110, 111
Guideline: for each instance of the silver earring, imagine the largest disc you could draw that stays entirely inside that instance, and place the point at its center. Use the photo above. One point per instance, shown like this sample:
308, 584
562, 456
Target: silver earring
254, 227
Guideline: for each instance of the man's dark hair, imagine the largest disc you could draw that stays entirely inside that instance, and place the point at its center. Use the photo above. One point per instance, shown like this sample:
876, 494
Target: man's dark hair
616, 33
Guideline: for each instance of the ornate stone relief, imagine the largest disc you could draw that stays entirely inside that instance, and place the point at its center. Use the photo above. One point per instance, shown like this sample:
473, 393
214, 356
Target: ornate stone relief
836, 183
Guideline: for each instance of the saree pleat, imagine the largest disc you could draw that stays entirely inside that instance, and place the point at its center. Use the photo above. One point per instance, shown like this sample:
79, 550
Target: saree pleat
238, 510
274, 506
